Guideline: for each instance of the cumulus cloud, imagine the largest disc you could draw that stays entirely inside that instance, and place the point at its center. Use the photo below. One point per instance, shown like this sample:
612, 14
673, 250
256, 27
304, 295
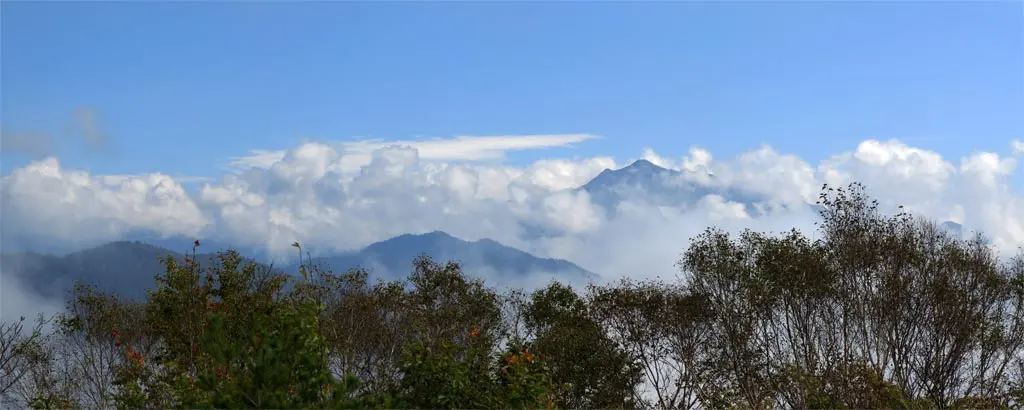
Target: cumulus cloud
44, 198
1017, 146
340, 197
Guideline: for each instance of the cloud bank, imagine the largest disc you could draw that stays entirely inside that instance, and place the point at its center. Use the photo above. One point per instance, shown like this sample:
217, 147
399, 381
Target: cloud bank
341, 196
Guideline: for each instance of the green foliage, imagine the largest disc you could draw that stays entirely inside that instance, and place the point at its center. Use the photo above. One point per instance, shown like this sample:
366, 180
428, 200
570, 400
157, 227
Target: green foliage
278, 362
447, 378
590, 370
856, 386
878, 312
230, 341
435, 378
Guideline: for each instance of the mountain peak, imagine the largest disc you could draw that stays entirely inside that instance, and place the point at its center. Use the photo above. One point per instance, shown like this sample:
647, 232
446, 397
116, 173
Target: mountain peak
640, 171
433, 238
436, 235
392, 256
643, 164
431, 234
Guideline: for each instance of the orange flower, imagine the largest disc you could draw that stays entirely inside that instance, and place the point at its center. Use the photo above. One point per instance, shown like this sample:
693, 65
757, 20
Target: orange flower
512, 359
135, 357
475, 332
527, 355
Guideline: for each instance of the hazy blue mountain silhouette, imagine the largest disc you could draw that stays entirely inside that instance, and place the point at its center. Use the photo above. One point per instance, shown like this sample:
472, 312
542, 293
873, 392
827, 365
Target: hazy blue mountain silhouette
645, 181
393, 257
129, 267
208, 243
953, 227
640, 171
177, 243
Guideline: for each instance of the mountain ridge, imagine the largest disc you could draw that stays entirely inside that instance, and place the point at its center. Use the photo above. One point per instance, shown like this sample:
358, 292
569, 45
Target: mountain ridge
129, 267
392, 257
666, 187
395, 255
656, 185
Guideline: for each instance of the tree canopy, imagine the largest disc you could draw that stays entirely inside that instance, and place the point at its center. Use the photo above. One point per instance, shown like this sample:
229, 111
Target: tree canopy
875, 311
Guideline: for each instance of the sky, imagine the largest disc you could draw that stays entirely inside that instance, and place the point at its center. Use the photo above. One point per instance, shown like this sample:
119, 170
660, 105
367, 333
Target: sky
182, 86
344, 123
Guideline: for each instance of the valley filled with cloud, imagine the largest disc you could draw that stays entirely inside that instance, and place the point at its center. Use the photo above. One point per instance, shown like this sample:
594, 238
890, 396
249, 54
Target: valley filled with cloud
334, 197
577, 220
637, 205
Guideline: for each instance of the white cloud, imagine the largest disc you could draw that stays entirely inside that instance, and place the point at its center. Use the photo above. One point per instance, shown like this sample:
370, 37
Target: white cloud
1017, 146
46, 199
257, 158
346, 196
784, 178
19, 300
461, 148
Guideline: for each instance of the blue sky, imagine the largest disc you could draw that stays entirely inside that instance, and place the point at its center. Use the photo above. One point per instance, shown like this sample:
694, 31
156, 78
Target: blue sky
181, 87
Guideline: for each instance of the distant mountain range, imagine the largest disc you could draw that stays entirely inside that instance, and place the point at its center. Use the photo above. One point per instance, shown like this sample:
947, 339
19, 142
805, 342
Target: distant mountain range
393, 257
643, 180
129, 268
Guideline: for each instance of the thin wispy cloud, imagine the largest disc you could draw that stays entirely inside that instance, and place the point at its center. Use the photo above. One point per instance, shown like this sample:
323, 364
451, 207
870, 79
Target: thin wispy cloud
123, 178
83, 126
460, 148
33, 143
86, 124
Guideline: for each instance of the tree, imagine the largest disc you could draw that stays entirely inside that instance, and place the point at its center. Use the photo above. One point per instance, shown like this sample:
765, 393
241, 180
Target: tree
663, 328
20, 350
880, 309
590, 369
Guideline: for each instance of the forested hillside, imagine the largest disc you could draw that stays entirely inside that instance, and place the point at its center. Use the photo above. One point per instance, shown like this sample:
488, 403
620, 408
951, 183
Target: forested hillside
878, 311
